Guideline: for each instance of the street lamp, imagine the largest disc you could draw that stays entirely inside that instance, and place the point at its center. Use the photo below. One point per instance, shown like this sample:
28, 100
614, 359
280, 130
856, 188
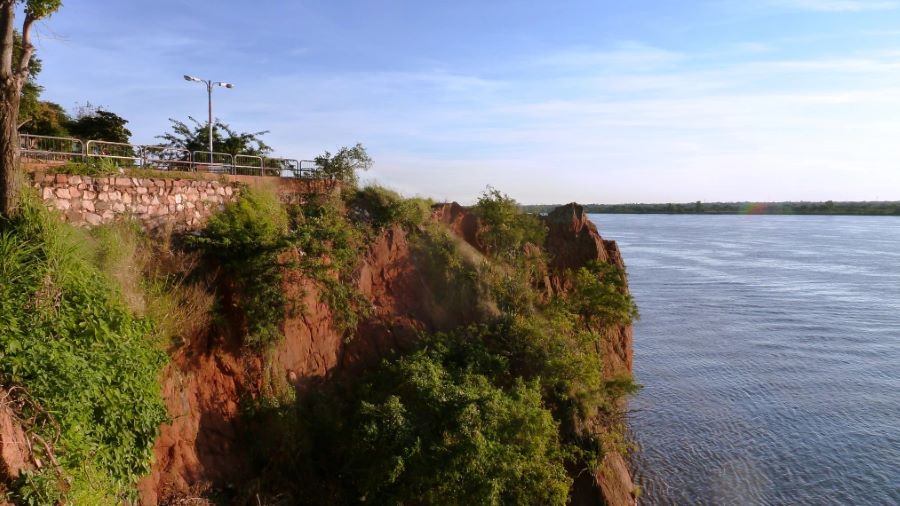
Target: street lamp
209, 87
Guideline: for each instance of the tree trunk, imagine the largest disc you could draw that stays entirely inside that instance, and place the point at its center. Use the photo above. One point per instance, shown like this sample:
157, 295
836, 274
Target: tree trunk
10, 173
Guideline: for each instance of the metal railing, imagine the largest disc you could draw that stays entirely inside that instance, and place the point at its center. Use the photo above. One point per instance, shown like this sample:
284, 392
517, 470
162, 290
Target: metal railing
248, 165
120, 153
64, 149
166, 158
44, 147
219, 163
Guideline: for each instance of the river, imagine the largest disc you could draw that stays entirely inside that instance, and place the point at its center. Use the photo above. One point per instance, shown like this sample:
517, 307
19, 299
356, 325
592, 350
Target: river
769, 351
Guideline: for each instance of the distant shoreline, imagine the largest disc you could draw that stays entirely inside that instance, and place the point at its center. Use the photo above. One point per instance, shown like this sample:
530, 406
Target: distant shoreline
827, 208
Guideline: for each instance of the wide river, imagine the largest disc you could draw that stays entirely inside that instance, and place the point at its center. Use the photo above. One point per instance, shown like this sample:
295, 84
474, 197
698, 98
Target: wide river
769, 351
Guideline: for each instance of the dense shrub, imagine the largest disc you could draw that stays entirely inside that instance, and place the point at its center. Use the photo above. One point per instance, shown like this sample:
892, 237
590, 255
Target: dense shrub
87, 365
600, 297
247, 238
381, 207
507, 227
433, 427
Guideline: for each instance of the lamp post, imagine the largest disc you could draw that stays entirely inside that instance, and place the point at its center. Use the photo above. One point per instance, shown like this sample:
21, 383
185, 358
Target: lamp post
209, 88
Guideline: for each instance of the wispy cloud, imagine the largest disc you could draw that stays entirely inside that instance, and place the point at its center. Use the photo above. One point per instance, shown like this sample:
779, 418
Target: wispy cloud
696, 128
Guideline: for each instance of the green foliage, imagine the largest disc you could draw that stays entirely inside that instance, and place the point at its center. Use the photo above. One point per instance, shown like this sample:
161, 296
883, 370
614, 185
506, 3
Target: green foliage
85, 362
445, 264
427, 429
344, 165
94, 167
381, 207
99, 124
508, 228
41, 118
599, 295
195, 137
330, 252
247, 239
512, 285
40, 9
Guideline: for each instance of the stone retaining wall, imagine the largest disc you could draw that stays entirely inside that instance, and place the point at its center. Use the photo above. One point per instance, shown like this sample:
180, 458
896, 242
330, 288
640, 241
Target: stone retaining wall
181, 204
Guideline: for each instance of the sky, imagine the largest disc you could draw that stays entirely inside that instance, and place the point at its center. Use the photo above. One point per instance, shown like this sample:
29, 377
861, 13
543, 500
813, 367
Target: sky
554, 101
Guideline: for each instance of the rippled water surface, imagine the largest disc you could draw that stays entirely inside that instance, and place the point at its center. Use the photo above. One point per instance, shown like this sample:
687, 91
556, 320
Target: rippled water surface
769, 351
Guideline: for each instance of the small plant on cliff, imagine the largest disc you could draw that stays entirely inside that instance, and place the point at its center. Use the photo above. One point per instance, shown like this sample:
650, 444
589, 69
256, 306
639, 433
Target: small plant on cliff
507, 227
88, 366
599, 295
247, 238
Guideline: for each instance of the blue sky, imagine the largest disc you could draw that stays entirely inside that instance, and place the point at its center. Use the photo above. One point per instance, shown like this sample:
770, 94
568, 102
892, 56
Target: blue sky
603, 101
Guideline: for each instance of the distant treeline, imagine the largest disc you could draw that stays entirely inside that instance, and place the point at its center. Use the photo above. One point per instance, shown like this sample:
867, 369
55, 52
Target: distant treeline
871, 208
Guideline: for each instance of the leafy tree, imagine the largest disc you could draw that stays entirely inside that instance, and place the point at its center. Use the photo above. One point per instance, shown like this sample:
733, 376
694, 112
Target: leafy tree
195, 137
15, 68
46, 118
95, 123
508, 228
344, 164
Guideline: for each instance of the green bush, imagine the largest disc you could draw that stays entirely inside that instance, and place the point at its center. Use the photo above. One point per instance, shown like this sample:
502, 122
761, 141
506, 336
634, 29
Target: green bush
381, 207
86, 363
508, 228
247, 239
600, 297
427, 429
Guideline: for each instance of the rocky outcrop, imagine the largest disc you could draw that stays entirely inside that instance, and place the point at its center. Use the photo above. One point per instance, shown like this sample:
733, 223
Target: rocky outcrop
573, 241
14, 447
461, 221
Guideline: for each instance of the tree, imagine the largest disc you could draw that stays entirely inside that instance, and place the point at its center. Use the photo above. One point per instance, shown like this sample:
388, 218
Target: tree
44, 118
508, 228
94, 123
344, 164
14, 71
196, 138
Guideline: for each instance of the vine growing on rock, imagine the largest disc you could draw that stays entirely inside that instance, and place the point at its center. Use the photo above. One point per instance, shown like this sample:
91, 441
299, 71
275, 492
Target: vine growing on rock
247, 238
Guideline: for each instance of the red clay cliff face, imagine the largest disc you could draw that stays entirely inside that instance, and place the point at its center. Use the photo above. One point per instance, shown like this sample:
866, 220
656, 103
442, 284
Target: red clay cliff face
14, 454
201, 447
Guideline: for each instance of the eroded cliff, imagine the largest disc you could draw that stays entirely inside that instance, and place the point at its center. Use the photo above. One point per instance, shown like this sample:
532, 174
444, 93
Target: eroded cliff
203, 448
532, 313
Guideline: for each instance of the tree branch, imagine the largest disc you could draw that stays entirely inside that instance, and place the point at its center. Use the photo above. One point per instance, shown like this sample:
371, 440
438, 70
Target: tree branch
27, 47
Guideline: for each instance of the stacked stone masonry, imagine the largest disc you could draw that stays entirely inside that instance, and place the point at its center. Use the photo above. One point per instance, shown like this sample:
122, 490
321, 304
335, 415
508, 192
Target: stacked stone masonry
179, 204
